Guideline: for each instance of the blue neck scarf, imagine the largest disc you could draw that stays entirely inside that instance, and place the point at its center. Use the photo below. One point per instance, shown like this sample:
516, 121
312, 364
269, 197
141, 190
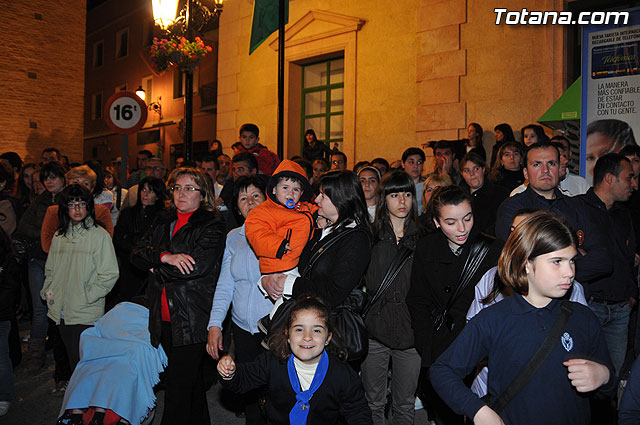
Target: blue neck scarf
300, 411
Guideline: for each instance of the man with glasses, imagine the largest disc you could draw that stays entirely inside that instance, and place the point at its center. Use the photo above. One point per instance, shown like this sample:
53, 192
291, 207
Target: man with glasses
338, 161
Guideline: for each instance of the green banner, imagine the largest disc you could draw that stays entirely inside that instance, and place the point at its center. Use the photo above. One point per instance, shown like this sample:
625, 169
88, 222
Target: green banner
265, 21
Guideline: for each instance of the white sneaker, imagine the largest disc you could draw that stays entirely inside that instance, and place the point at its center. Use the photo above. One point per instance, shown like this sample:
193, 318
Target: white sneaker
4, 407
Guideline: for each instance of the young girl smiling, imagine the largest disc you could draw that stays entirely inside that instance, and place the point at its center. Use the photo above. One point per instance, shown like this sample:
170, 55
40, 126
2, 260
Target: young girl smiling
307, 381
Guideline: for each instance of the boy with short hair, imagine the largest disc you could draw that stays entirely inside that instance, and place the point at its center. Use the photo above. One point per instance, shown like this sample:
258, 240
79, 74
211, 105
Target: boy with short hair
249, 142
279, 228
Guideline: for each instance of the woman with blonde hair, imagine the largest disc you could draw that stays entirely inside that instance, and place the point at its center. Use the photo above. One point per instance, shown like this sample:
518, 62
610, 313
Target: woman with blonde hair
183, 253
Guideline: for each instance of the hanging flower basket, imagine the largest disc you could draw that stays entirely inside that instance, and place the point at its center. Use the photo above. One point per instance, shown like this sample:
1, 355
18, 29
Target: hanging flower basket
178, 52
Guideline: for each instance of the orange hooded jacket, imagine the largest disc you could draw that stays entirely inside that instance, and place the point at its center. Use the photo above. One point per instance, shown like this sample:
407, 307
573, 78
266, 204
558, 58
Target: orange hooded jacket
271, 225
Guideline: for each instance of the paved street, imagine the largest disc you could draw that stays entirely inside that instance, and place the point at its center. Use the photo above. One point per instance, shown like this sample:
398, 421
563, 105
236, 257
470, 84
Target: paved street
35, 404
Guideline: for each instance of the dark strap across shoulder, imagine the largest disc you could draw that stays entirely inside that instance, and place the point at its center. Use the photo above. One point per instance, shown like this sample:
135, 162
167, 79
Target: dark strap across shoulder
399, 260
530, 369
477, 253
332, 240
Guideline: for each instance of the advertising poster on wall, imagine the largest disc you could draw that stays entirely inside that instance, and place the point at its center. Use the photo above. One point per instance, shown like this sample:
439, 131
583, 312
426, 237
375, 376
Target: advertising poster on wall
610, 90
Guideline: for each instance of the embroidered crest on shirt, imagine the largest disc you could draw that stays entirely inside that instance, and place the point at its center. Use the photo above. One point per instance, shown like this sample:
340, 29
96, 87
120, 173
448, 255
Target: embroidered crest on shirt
567, 341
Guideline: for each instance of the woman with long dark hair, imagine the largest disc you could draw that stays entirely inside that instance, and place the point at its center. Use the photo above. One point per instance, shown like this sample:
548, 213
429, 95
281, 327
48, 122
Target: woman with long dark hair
313, 148
133, 223
337, 270
504, 134
388, 321
183, 252
81, 268
447, 265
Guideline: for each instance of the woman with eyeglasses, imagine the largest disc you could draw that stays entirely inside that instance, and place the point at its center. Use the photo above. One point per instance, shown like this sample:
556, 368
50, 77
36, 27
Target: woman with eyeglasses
80, 270
183, 253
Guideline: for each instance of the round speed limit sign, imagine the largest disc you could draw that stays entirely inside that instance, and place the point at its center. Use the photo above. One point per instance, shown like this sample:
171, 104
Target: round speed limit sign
126, 113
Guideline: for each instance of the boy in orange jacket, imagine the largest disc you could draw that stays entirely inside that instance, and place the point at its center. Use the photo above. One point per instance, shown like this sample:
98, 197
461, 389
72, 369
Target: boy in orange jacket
279, 228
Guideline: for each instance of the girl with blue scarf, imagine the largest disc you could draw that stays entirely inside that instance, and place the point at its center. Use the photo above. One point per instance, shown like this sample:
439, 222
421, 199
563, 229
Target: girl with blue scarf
307, 380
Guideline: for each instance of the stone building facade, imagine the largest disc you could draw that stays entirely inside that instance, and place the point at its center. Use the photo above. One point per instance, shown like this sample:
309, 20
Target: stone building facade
42, 77
414, 71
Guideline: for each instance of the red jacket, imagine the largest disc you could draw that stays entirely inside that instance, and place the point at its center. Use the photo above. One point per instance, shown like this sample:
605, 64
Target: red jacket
267, 160
271, 225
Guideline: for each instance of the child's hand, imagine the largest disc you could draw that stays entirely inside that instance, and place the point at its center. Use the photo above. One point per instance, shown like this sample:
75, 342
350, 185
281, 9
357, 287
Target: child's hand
586, 375
287, 248
487, 416
226, 367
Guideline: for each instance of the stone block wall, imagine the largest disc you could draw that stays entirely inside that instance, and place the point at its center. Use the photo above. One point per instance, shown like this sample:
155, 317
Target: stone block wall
42, 83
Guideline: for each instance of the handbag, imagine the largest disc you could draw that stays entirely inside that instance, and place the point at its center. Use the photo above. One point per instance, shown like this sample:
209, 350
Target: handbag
348, 323
477, 253
527, 372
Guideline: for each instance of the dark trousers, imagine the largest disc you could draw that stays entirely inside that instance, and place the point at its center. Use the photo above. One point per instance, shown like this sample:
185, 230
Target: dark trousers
63, 369
185, 398
71, 337
248, 347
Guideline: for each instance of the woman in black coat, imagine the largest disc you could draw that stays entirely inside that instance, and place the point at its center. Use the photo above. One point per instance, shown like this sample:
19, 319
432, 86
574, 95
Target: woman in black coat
439, 260
133, 223
183, 250
486, 196
388, 320
339, 269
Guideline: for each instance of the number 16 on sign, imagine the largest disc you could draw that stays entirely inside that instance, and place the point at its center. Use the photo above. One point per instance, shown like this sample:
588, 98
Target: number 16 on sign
126, 114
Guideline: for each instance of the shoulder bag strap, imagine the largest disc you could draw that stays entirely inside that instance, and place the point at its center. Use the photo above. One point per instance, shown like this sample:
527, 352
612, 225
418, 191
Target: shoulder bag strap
527, 372
398, 262
332, 241
477, 253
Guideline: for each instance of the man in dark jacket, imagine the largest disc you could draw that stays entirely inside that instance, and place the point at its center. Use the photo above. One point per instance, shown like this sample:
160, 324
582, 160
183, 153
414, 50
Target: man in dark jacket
612, 296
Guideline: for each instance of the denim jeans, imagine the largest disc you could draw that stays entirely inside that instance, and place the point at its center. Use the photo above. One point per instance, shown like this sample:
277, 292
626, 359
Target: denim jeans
6, 369
614, 320
39, 323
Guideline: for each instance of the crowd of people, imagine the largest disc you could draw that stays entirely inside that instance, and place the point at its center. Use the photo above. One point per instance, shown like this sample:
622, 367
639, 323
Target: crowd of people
501, 289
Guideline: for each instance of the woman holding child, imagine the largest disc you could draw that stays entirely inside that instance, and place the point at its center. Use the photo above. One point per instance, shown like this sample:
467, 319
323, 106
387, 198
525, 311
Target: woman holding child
343, 229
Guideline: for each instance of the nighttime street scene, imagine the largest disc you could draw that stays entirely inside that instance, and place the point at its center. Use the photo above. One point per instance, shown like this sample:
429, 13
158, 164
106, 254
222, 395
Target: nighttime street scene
320, 212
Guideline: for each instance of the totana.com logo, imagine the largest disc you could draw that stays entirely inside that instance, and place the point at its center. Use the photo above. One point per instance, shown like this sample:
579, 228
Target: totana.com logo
537, 17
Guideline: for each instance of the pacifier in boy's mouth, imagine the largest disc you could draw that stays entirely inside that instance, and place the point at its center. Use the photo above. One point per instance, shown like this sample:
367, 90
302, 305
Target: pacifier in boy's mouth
290, 203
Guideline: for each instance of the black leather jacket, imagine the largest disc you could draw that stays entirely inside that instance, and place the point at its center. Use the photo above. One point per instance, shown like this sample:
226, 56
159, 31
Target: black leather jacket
189, 296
